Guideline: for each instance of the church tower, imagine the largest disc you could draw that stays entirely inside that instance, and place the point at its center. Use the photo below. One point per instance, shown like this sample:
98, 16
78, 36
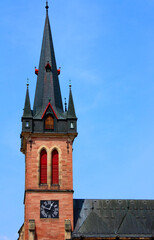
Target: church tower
47, 136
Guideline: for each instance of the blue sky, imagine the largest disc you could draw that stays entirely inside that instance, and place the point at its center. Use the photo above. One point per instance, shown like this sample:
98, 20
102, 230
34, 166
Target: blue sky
106, 48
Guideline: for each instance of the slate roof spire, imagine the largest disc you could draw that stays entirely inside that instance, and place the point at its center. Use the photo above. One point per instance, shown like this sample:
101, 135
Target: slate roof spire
27, 109
71, 108
47, 86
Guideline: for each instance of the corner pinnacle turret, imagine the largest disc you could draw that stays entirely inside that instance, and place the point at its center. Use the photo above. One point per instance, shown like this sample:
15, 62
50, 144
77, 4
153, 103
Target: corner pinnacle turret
71, 109
47, 81
27, 109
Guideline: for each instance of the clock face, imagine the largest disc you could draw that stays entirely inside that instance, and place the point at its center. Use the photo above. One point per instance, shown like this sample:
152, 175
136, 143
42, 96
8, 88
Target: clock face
49, 209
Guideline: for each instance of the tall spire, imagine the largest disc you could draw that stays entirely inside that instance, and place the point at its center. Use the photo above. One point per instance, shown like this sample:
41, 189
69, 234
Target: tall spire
47, 81
71, 108
27, 109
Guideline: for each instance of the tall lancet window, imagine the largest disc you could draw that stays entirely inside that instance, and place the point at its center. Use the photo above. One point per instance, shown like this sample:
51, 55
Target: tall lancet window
55, 167
43, 167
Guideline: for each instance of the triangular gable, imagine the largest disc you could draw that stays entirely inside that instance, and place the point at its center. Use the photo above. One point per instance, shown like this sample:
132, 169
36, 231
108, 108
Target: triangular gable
49, 105
133, 224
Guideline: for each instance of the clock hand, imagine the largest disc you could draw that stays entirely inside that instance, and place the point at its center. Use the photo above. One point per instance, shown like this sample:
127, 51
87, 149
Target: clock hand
46, 208
51, 206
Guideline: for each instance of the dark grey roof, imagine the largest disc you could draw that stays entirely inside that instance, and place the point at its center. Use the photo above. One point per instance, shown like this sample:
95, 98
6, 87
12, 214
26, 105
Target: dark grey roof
71, 108
27, 109
47, 87
112, 218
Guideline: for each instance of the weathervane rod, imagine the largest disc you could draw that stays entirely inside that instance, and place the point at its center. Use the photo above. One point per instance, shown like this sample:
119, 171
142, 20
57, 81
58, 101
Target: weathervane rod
47, 6
27, 82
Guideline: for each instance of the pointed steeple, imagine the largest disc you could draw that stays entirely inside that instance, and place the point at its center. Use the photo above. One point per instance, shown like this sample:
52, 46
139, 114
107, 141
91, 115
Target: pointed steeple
71, 109
27, 109
47, 81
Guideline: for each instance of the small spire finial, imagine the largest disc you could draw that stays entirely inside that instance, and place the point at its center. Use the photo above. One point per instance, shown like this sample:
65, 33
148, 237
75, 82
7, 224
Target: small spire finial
27, 82
47, 6
70, 85
65, 105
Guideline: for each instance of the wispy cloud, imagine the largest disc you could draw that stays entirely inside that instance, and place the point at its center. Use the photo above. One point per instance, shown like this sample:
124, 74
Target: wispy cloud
4, 238
95, 102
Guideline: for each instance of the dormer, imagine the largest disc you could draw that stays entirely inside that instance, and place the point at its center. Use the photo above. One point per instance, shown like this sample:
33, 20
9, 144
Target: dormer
50, 119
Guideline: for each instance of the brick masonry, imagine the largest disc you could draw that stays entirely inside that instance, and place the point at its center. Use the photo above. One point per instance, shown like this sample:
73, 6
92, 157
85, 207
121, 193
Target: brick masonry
48, 228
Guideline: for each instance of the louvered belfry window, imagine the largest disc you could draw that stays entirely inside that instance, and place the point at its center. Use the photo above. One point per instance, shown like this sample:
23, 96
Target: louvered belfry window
43, 167
55, 167
49, 123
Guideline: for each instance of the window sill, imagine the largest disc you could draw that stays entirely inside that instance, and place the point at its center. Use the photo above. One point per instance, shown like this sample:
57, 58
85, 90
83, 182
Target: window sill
43, 185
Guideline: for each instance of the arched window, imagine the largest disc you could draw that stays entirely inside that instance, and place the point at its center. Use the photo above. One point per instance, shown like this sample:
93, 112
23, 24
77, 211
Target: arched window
43, 167
49, 123
55, 167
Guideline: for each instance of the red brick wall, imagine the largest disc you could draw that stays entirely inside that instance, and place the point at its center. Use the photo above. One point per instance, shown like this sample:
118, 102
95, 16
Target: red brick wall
65, 162
48, 228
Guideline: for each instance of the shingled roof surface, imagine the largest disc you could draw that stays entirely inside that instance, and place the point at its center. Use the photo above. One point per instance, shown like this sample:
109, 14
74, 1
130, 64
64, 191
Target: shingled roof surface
113, 218
47, 88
